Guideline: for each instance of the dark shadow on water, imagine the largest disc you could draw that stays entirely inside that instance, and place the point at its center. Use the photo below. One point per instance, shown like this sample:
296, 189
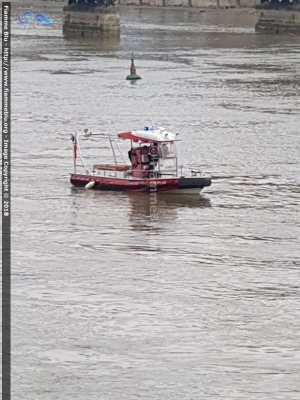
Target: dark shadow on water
144, 211
152, 212
142, 202
106, 44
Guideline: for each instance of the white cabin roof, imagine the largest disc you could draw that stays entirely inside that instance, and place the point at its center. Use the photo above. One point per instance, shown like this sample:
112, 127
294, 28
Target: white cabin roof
150, 135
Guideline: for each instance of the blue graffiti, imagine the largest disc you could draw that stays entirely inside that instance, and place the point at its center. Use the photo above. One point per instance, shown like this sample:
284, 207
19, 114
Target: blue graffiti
42, 19
27, 17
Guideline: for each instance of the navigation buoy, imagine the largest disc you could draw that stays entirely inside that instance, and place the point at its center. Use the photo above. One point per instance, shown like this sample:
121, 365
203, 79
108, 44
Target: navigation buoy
133, 76
90, 185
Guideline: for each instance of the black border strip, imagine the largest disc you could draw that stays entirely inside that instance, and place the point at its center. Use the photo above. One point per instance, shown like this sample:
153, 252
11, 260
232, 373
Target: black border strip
6, 209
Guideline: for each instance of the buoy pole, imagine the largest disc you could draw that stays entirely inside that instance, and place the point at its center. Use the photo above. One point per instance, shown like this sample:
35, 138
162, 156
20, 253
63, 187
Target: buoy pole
132, 67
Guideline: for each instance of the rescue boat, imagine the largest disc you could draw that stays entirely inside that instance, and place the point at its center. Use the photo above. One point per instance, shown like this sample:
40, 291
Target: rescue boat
151, 165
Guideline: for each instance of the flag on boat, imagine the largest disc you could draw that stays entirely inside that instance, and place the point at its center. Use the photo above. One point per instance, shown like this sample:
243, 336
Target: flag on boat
75, 151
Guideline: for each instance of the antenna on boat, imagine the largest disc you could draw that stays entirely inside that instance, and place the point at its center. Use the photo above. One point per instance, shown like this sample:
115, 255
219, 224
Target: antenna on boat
152, 121
147, 125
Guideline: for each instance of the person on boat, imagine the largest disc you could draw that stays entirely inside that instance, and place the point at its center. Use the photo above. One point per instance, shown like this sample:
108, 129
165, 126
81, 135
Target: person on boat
165, 150
133, 157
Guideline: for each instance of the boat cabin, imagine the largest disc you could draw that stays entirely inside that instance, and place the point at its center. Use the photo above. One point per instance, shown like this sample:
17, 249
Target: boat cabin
152, 153
151, 160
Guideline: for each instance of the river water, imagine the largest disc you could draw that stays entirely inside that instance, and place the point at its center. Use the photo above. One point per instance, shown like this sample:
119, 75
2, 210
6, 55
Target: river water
201, 303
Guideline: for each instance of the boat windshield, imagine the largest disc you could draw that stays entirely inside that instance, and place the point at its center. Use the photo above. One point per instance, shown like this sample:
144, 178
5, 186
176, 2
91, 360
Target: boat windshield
168, 150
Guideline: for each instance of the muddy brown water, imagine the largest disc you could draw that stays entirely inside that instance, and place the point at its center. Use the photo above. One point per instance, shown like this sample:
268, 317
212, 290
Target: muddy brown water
201, 303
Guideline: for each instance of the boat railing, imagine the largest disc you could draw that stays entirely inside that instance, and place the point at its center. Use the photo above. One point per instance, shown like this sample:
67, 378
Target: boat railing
86, 135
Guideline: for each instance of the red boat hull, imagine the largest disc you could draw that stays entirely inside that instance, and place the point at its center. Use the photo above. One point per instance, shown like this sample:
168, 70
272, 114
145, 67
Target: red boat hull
193, 184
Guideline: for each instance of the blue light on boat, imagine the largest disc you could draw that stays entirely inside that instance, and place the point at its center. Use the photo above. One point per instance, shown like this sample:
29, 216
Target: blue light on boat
146, 128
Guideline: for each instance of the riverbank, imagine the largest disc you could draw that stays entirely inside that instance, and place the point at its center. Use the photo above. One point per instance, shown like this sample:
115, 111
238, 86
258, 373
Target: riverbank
279, 22
190, 9
190, 5
186, 5
263, 20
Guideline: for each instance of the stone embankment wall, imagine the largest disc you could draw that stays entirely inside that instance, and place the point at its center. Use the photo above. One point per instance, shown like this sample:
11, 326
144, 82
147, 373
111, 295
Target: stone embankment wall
272, 21
90, 24
192, 3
